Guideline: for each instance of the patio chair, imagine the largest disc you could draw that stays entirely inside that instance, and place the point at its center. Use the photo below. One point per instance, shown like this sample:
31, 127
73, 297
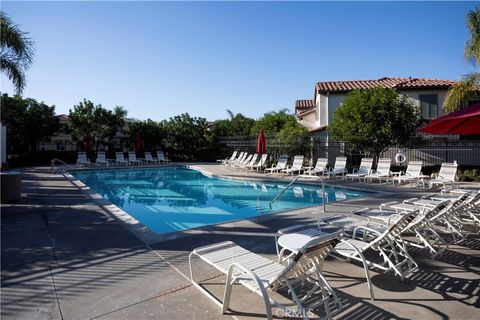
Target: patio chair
234, 154
101, 158
421, 226
362, 171
82, 159
446, 176
239, 159
150, 159
414, 172
252, 161
320, 167
262, 275
339, 168
260, 165
382, 171
161, 157
132, 158
279, 166
386, 241
120, 158
243, 162
297, 166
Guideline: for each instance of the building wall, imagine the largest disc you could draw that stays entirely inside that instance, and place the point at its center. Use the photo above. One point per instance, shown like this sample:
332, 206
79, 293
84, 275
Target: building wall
334, 101
309, 120
413, 96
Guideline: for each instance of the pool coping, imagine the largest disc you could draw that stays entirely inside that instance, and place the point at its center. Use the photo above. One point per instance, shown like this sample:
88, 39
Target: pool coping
148, 236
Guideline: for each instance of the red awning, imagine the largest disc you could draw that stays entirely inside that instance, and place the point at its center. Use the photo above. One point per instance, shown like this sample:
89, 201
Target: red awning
261, 143
463, 122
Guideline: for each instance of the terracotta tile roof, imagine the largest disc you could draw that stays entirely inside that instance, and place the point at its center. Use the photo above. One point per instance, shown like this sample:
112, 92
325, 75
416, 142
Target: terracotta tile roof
62, 117
305, 111
304, 104
397, 83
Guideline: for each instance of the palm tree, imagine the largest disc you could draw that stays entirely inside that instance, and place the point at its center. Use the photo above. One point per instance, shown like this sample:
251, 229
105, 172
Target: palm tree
16, 52
460, 92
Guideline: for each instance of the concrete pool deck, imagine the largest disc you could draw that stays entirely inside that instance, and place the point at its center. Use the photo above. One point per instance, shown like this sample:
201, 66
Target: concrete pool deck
65, 256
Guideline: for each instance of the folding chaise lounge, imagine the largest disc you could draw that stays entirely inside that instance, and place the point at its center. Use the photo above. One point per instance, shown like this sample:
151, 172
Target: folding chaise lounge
320, 167
279, 166
234, 154
120, 158
238, 160
362, 171
262, 275
252, 161
132, 158
382, 171
101, 159
82, 159
446, 176
150, 159
339, 168
161, 157
365, 236
414, 172
297, 166
260, 165
244, 162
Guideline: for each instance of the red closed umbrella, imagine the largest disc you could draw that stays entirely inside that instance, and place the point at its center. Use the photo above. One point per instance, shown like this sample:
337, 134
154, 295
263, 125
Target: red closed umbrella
261, 143
463, 122
138, 143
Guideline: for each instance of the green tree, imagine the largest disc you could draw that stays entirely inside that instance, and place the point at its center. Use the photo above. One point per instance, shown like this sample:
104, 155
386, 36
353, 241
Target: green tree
459, 94
100, 124
16, 52
236, 125
152, 133
28, 123
187, 136
273, 122
294, 139
374, 119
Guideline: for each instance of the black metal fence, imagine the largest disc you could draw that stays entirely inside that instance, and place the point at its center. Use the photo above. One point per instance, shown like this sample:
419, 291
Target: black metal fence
432, 151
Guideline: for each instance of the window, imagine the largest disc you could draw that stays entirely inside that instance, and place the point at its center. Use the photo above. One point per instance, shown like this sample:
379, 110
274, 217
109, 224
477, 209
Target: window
429, 106
60, 146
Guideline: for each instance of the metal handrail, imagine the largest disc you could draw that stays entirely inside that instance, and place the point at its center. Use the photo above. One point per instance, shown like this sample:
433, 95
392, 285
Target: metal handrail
293, 181
52, 164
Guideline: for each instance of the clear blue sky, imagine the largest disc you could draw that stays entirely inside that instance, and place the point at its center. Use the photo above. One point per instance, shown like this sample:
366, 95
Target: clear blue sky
161, 59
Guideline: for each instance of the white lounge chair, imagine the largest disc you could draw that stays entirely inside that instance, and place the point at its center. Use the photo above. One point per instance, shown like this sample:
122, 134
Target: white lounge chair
414, 172
150, 159
252, 161
279, 166
262, 275
297, 166
243, 162
260, 165
132, 158
320, 167
161, 157
82, 159
362, 171
120, 158
446, 176
238, 160
234, 154
382, 171
101, 158
339, 168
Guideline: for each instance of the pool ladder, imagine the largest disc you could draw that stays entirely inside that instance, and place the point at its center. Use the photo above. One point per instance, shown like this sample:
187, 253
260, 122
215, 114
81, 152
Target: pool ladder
52, 164
293, 181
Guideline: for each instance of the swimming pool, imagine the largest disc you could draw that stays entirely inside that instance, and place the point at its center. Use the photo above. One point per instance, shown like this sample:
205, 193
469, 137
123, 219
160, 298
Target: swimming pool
171, 199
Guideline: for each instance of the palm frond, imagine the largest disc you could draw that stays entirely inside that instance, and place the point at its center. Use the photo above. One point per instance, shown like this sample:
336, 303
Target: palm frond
13, 72
459, 94
472, 45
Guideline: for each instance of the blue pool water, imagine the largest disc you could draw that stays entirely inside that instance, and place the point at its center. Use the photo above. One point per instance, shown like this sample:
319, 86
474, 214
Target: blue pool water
176, 198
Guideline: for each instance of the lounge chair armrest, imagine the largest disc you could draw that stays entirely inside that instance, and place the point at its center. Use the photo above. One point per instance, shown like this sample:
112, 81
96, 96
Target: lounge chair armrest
410, 200
385, 204
355, 170
365, 228
359, 211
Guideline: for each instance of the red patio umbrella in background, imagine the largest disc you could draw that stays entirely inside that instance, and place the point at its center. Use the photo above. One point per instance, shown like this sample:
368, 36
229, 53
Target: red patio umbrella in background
138, 143
463, 122
261, 143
